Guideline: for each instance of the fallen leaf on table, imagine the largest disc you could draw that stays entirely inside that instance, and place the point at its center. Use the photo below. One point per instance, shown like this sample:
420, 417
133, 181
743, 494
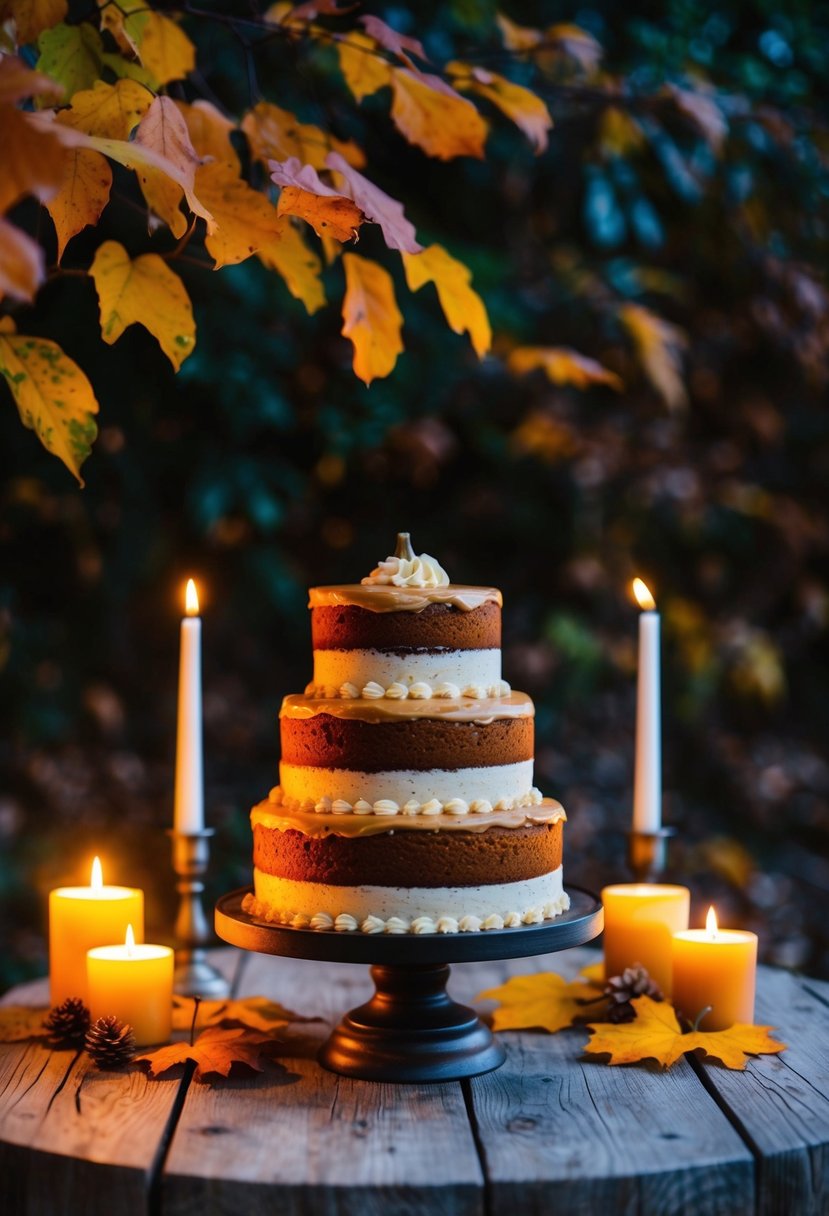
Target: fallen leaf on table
21, 1022
255, 1012
657, 1035
216, 1050
593, 973
545, 1001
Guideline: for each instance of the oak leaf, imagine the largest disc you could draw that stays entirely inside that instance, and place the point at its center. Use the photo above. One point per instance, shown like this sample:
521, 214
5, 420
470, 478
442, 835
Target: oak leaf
371, 318
83, 195
655, 1034
22, 265
463, 308
254, 1012
304, 195
53, 395
364, 70
434, 117
31, 156
143, 292
209, 132
32, 17
18, 81
215, 1052
21, 1022
562, 366
543, 1001
377, 206
658, 345
71, 56
163, 130
245, 221
299, 266
277, 134
525, 108
111, 110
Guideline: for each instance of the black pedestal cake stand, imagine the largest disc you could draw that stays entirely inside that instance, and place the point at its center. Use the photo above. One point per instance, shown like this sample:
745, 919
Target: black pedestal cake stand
411, 1030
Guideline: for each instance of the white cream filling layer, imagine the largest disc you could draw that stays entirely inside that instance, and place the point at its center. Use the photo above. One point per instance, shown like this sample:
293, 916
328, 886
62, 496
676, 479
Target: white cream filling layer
374, 909
494, 783
361, 669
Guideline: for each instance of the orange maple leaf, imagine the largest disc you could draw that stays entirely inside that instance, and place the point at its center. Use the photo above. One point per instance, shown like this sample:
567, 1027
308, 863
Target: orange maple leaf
655, 1034
545, 1001
215, 1052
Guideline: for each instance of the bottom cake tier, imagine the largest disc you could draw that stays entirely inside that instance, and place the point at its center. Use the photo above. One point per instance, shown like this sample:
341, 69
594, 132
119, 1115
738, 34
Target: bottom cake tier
444, 875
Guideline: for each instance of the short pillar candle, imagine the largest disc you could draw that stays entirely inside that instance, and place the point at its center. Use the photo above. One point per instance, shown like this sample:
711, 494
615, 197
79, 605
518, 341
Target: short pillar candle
716, 967
82, 917
640, 920
135, 984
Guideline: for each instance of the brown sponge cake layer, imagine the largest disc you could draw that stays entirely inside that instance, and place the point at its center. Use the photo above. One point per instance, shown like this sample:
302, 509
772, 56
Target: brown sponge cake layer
406, 859
437, 627
325, 741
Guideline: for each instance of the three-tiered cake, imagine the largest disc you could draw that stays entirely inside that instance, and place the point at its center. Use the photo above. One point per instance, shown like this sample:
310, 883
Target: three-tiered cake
406, 799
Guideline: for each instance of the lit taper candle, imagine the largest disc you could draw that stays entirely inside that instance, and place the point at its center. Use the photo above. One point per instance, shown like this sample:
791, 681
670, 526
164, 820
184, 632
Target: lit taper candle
189, 804
647, 780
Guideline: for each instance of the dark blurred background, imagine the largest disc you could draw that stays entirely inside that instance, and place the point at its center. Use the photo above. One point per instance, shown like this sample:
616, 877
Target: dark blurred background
265, 466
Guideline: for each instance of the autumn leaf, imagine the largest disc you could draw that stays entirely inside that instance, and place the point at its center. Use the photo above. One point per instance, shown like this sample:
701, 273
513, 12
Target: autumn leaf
703, 112
517, 37
32, 158
245, 221
525, 108
143, 292
254, 1012
364, 70
21, 1022
304, 195
18, 81
209, 132
544, 1001
658, 345
434, 117
32, 17
276, 134
298, 265
82, 197
164, 131
575, 43
162, 46
377, 206
110, 110
71, 56
371, 318
215, 1051
53, 395
22, 264
561, 365
655, 1034
399, 45
463, 308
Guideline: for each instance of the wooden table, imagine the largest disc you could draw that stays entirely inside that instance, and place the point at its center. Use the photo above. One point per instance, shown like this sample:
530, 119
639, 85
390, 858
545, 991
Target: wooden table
548, 1133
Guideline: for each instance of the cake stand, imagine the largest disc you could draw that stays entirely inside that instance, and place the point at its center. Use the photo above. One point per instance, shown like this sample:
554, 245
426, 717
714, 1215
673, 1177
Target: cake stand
411, 1030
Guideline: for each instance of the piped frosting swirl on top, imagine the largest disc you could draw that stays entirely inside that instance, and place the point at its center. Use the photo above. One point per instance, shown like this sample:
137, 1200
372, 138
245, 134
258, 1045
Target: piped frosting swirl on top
419, 571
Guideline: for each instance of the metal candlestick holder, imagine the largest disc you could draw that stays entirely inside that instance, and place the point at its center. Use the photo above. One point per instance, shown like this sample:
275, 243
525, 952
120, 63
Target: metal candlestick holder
647, 853
193, 975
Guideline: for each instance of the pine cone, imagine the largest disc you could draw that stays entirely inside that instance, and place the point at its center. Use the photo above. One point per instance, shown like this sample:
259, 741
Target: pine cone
110, 1043
68, 1023
634, 981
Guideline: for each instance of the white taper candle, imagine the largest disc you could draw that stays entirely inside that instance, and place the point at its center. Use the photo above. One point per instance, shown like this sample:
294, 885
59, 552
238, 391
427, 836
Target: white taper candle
189, 803
647, 780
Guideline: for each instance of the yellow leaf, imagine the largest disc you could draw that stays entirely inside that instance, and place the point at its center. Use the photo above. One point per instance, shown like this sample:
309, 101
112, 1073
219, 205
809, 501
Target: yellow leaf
111, 110
245, 220
517, 37
21, 263
162, 46
209, 132
164, 130
658, 345
371, 318
655, 1034
525, 108
463, 308
562, 366
328, 215
619, 133
82, 196
276, 134
434, 117
255, 1012
32, 17
54, 397
544, 1001
365, 71
31, 156
143, 292
71, 56
21, 1022
298, 265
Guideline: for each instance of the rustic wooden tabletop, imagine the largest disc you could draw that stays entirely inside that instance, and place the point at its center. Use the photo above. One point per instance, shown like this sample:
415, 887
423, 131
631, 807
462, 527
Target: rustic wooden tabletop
547, 1132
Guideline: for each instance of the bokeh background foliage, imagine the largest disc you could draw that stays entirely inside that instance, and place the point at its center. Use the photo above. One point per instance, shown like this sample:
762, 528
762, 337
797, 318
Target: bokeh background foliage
686, 176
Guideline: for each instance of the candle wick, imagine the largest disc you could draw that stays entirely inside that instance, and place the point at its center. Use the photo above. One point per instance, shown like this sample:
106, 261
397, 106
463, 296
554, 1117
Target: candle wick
705, 1010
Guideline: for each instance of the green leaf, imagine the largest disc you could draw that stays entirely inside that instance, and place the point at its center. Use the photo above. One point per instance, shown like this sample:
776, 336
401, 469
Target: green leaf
72, 56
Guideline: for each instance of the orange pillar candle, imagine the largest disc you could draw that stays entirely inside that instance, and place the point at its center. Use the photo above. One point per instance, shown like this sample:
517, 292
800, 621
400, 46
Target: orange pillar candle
82, 917
640, 920
716, 967
135, 983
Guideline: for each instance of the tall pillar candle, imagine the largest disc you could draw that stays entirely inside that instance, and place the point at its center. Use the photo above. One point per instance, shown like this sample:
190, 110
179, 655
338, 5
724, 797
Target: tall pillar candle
82, 917
647, 780
640, 920
717, 968
189, 797
135, 984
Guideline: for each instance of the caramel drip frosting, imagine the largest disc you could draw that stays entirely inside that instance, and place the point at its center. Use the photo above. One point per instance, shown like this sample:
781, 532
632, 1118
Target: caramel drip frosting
384, 597
313, 823
384, 709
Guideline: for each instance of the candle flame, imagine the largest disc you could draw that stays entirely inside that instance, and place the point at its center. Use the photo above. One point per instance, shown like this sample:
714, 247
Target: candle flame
191, 599
711, 924
129, 941
96, 878
643, 596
